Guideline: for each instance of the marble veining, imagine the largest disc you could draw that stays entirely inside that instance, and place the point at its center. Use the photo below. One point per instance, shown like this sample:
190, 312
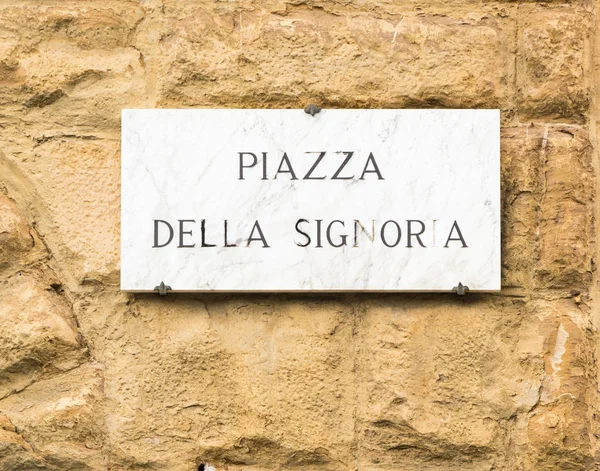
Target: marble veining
278, 200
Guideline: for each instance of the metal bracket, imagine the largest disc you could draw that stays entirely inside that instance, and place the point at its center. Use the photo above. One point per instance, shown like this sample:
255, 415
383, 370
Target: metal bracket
461, 290
162, 289
312, 109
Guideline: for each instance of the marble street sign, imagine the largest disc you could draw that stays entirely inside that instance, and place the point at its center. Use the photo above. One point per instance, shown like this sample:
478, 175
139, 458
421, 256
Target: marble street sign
278, 200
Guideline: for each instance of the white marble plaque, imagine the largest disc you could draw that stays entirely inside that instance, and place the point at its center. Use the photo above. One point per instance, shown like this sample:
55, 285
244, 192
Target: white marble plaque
278, 200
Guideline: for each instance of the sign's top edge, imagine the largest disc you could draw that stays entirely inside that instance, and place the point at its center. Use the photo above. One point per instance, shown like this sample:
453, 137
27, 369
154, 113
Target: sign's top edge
300, 109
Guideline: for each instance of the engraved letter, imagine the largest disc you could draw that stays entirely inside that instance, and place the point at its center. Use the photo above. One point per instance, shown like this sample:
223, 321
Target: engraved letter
460, 237
398, 236
339, 170
303, 233
227, 244
312, 169
182, 233
203, 233
289, 170
358, 224
156, 244
319, 221
260, 237
342, 237
417, 234
242, 166
375, 168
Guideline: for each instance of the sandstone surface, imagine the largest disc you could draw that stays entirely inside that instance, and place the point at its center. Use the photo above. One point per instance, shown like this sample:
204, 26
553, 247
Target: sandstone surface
95, 379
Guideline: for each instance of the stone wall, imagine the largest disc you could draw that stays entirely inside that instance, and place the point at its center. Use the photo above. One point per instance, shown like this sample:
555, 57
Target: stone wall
94, 379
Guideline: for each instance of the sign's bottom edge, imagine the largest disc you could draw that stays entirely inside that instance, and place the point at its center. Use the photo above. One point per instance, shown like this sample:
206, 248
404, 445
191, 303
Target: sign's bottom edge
307, 291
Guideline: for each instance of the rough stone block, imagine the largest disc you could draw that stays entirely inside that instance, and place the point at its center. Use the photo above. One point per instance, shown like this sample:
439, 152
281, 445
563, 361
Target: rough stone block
560, 429
78, 180
566, 218
38, 335
59, 417
548, 193
551, 63
522, 174
15, 236
262, 59
16, 454
69, 65
234, 389
435, 391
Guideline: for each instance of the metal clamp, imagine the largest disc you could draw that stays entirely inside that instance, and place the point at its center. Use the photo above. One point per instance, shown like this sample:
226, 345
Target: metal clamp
461, 289
162, 289
312, 109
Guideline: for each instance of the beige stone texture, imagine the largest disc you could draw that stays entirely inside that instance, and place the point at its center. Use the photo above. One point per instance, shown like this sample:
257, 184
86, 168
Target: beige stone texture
99, 380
